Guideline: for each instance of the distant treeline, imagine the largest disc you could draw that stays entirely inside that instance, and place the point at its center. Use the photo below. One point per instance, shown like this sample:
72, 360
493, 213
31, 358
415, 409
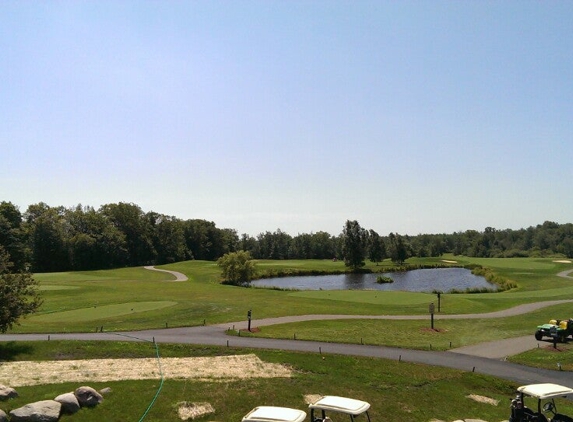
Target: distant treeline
46, 239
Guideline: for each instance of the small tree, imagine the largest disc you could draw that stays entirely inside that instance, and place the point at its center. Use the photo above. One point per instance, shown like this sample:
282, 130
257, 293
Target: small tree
18, 293
238, 267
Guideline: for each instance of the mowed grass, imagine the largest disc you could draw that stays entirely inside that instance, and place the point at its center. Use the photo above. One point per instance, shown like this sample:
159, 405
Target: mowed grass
414, 334
89, 299
396, 390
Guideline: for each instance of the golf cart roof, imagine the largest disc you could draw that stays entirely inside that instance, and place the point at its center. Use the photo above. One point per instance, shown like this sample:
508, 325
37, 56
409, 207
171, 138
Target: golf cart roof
274, 414
341, 404
545, 391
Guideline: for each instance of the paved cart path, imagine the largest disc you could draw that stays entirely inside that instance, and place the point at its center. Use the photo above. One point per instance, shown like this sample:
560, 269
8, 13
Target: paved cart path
178, 276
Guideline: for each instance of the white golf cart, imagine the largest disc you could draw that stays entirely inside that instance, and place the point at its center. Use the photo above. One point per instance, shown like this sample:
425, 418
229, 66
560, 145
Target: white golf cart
545, 395
274, 414
321, 409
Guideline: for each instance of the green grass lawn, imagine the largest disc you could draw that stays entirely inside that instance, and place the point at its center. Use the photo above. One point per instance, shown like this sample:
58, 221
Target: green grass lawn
413, 334
396, 390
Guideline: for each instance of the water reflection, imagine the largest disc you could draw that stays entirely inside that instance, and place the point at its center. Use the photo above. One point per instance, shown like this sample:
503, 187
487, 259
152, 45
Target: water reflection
425, 280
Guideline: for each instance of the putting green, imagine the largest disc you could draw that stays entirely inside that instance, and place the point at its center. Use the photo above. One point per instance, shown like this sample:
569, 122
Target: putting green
101, 312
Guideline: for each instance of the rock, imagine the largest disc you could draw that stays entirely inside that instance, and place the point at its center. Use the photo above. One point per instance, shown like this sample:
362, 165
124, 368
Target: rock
7, 393
69, 402
88, 397
105, 391
40, 411
3, 416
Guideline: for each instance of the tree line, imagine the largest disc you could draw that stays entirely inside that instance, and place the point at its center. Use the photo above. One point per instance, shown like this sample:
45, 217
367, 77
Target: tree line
47, 239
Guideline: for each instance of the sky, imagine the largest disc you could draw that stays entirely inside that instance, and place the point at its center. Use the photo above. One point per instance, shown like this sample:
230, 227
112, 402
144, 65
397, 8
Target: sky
408, 116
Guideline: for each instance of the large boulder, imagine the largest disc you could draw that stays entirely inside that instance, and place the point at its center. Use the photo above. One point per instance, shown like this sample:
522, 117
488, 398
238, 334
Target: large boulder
3, 416
69, 402
88, 397
7, 393
40, 411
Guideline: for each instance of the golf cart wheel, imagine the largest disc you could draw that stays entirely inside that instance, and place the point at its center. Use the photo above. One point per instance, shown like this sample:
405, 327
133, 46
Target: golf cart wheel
538, 335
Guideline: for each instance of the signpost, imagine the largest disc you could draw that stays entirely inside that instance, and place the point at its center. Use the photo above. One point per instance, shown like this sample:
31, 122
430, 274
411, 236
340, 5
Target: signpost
249, 318
432, 314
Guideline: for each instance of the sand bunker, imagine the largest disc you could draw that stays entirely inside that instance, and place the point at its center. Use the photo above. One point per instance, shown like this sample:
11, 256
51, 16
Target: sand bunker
219, 368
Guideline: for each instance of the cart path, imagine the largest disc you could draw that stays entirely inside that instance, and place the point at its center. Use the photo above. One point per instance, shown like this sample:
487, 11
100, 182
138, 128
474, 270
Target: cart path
178, 276
516, 310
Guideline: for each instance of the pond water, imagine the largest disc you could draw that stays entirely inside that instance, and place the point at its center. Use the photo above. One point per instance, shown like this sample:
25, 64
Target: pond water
426, 280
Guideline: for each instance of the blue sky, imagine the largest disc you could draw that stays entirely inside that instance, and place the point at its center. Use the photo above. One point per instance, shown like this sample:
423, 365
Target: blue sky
408, 116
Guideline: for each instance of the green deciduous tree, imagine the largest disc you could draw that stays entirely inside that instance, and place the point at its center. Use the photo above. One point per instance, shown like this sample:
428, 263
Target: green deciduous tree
354, 244
137, 230
238, 267
18, 293
376, 247
46, 231
12, 234
398, 248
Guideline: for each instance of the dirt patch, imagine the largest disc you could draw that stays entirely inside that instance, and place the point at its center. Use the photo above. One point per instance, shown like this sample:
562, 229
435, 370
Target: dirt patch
563, 261
483, 399
252, 330
449, 262
186, 410
219, 368
433, 330
311, 398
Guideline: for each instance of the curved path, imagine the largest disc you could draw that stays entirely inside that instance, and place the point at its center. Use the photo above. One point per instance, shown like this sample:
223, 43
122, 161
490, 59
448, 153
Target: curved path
178, 276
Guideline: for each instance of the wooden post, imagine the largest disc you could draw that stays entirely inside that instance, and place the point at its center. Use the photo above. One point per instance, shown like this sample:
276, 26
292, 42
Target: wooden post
432, 314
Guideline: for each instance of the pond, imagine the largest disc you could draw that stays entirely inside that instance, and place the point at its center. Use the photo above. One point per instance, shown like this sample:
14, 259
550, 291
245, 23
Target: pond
425, 280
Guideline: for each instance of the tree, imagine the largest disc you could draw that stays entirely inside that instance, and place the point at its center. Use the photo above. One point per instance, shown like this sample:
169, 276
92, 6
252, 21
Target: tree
354, 244
168, 238
398, 249
138, 232
238, 267
18, 293
376, 248
12, 235
94, 242
47, 236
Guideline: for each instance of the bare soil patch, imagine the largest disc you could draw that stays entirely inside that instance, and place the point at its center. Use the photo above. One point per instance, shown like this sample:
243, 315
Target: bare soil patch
219, 368
186, 410
433, 330
483, 399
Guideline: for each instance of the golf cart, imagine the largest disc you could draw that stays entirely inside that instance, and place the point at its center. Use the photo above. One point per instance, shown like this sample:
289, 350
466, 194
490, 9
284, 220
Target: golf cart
274, 414
545, 395
557, 329
327, 405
